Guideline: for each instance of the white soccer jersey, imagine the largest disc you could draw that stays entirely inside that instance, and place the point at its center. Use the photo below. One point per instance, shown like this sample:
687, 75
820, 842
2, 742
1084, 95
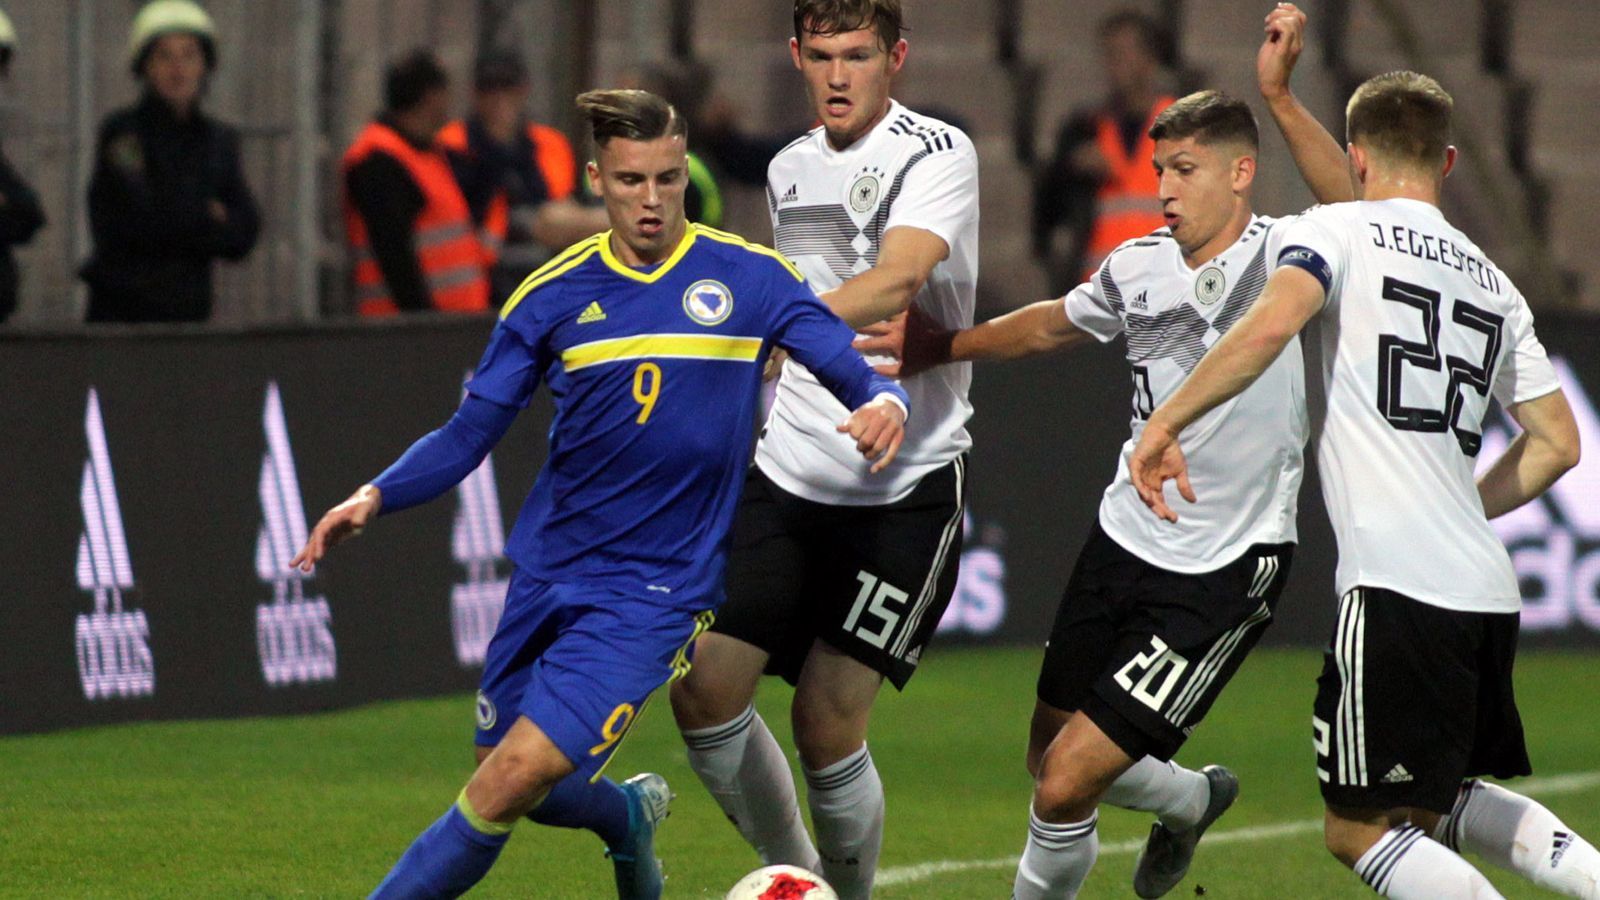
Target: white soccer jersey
1417, 330
1245, 456
830, 210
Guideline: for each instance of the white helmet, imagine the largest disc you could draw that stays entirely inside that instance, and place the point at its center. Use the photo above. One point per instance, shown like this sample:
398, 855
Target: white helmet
162, 17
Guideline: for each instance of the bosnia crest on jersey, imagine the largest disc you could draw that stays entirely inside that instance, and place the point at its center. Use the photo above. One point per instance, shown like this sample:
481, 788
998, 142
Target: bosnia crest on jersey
708, 302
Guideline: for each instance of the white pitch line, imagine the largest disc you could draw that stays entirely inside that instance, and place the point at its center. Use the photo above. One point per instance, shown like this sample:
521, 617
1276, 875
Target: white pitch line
1552, 786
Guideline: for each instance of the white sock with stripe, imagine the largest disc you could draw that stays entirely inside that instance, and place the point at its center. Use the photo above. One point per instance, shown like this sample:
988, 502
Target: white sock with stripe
1176, 795
1057, 859
1518, 834
846, 801
1405, 865
745, 770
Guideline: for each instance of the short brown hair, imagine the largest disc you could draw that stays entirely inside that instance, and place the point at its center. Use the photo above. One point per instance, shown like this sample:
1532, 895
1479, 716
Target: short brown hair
1210, 117
633, 115
1403, 116
826, 18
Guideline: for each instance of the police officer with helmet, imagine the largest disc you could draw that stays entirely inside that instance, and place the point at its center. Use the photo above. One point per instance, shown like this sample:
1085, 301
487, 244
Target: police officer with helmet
168, 195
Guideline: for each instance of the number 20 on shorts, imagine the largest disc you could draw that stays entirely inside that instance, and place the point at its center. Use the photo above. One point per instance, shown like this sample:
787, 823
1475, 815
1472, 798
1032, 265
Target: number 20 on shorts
646, 389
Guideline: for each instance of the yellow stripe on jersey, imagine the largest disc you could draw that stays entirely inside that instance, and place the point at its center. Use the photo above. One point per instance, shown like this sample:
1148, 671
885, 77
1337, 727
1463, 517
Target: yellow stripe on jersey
663, 346
563, 262
730, 238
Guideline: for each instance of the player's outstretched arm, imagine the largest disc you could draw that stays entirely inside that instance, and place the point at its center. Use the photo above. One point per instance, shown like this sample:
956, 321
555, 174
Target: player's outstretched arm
1546, 449
434, 464
1292, 296
1317, 154
905, 261
919, 343
346, 520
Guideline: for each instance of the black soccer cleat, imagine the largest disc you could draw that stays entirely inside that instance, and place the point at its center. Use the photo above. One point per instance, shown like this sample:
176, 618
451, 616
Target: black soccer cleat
1166, 855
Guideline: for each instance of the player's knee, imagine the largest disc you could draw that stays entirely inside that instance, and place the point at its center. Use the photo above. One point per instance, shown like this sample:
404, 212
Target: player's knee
701, 700
720, 684
1348, 839
824, 735
1059, 797
510, 781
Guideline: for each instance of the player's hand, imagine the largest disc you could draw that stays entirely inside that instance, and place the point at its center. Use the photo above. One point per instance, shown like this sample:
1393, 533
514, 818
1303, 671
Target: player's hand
774, 366
878, 428
916, 341
1285, 38
1156, 459
343, 521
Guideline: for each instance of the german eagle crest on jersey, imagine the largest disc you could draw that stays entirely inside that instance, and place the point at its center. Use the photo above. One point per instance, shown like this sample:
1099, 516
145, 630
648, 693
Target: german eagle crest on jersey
865, 189
1209, 285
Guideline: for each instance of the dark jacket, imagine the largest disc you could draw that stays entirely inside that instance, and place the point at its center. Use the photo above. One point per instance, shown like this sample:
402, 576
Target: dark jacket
151, 212
389, 201
1065, 197
20, 218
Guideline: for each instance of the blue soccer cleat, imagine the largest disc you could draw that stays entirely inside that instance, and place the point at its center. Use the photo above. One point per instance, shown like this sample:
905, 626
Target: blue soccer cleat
637, 869
1165, 858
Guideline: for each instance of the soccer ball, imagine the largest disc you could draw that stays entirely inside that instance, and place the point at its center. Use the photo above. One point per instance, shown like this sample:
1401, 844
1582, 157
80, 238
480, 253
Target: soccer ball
782, 883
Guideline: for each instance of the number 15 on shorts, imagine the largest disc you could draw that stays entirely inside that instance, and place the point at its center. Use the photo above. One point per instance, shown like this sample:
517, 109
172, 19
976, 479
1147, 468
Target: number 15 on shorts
870, 601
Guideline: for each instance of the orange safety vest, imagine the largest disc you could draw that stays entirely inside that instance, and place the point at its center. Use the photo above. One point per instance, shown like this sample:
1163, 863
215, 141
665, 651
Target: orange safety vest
552, 153
1129, 203
448, 251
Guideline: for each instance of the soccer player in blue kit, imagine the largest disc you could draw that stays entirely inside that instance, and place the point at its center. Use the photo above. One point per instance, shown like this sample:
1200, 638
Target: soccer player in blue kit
652, 337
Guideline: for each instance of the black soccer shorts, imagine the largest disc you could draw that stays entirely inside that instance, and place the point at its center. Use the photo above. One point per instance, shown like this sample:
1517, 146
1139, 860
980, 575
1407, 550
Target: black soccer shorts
871, 581
1144, 651
1412, 699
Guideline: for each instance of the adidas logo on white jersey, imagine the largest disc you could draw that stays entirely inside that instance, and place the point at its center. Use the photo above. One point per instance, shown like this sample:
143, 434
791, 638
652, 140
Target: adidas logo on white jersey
1397, 775
791, 195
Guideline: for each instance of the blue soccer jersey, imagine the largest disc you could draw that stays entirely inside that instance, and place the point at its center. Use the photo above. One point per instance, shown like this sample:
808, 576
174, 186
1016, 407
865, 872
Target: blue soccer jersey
655, 374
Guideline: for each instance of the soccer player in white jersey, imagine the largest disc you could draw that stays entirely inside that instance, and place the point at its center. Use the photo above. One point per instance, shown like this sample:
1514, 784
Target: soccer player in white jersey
838, 577
1158, 616
1412, 330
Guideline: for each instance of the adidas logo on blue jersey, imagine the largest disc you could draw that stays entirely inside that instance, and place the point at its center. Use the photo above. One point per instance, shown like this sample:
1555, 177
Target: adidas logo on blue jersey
593, 313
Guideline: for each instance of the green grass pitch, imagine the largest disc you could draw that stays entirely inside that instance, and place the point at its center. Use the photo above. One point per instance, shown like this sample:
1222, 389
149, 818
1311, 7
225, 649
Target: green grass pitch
320, 806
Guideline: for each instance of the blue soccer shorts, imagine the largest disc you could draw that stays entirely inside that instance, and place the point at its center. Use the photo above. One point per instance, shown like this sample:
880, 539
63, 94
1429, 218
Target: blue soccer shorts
580, 661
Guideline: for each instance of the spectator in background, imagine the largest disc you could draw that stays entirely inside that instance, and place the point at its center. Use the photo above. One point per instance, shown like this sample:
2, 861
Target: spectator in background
408, 224
20, 214
1100, 186
168, 194
518, 177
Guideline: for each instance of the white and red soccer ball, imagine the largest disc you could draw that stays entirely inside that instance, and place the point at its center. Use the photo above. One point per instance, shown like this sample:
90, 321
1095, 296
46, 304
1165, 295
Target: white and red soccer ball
782, 883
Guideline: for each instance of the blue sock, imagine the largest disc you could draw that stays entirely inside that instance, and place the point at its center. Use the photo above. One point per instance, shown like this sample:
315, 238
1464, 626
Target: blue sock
447, 859
601, 807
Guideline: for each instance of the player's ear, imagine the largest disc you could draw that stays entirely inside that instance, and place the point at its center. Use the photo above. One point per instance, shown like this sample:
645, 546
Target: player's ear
897, 56
592, 170
1450, 154
1358, 166
1244, 173
794, 51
